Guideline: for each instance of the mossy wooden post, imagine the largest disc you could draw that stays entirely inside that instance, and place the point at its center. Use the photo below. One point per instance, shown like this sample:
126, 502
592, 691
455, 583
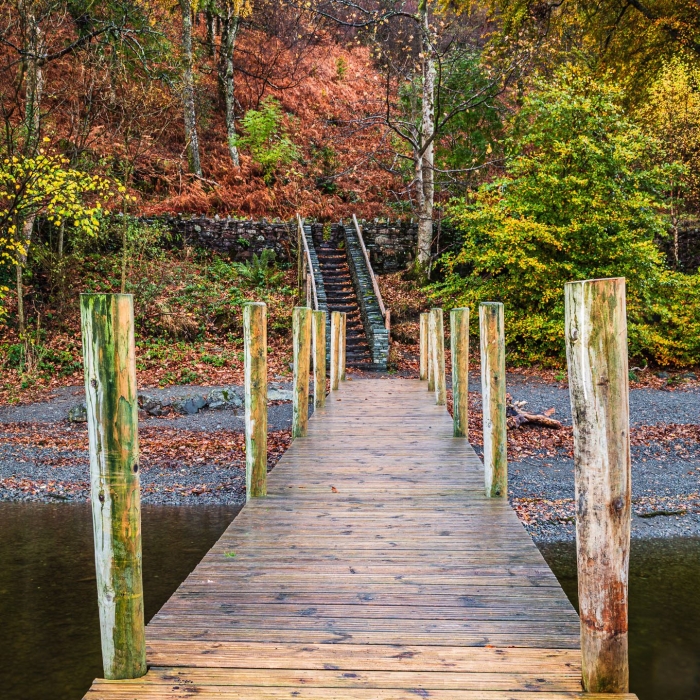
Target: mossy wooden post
423, 367
342, 346
493, 398
319, 351
335, 350
596, 351
301, 329
437, 339
255, 381
431, 359
459, 347
112, 412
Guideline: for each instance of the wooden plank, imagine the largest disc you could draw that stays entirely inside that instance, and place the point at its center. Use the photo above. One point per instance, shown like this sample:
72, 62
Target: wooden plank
138, 690
378, 657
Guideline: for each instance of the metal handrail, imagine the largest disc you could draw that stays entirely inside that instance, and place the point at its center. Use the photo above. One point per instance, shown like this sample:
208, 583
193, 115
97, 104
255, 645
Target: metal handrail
375, 285
308, 261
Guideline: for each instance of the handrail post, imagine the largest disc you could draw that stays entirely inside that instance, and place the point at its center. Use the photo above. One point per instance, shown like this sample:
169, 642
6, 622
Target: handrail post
423, 367
255, 389
437, 338
459, 347
342, 345
300, 253
596, 351
493, 398
335, 350
319, 352
308, 268
301, 330
112, 412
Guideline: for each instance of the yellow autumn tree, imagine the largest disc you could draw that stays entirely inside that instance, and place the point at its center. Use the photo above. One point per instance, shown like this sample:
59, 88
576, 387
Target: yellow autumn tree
672, 112
43, 186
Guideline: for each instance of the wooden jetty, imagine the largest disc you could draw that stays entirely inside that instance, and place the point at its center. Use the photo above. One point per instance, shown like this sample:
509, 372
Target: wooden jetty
375, 569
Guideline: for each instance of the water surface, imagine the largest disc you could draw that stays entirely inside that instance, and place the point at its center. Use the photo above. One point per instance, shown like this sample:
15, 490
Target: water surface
49, 629
664, 613
49, 625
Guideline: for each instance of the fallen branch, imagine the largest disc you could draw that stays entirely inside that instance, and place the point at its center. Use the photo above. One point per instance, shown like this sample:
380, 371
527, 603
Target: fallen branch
515, 416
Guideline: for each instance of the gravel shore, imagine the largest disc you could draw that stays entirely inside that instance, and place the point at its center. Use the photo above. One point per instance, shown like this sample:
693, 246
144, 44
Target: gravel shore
665, 475
198, 459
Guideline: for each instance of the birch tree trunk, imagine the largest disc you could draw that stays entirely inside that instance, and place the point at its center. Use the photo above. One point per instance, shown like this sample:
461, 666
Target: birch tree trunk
34, 72
34, 51
229, 31
426, 181
188, 89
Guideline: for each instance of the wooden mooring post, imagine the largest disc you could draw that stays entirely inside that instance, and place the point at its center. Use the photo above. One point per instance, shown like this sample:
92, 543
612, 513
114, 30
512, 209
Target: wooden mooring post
423, 367
112, 412
301, 330
437, 341
335, 350
596, 352
493, 398
459, 347
255, 388
319, 354
343, 345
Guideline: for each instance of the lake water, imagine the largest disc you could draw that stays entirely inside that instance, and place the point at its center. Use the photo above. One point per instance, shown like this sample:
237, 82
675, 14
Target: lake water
49, 624
49, 629
664, 614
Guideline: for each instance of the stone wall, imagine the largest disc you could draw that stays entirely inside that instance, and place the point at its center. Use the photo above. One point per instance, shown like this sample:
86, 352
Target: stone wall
391, 244
238, 238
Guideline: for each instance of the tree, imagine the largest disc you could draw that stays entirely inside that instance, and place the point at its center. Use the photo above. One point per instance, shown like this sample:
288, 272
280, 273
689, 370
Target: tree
266, 138
230, 12
632, 37
416, 47
188, 101
582, 198
42, 185
672, 112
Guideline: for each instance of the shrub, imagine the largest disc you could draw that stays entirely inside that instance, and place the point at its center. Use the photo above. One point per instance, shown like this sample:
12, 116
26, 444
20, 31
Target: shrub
260, 271
581, 199
266, 138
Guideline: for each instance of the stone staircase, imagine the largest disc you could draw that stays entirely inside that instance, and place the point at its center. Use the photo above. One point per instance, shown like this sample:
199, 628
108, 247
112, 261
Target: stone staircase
340, 293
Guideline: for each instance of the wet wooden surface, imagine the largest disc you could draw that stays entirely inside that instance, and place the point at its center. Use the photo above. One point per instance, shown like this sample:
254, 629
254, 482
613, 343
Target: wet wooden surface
376, 569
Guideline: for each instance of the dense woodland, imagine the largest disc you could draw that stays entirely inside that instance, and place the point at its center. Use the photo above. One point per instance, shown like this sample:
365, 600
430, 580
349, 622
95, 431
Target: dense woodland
558, 140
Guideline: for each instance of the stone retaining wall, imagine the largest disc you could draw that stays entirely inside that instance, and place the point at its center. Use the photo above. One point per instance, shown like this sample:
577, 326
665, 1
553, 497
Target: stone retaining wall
238, 238
390, 244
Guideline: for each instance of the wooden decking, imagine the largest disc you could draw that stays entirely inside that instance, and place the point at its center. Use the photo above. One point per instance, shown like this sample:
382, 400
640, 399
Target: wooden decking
375, 570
